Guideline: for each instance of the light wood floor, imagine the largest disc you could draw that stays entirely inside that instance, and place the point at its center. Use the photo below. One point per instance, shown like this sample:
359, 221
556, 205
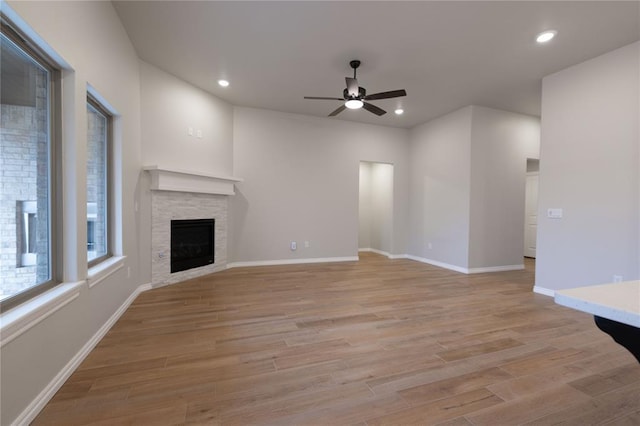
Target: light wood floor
372, 342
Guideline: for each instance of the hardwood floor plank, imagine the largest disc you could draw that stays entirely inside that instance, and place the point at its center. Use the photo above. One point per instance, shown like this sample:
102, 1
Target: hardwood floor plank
537, 382
298, 402
478, 349
164, 411
536, 363
377, 341
278, 382
347, 412
370, 372
459, 421
632, 419
411, 379
607, 381
453, 386
606, 408
518, 411
440, 410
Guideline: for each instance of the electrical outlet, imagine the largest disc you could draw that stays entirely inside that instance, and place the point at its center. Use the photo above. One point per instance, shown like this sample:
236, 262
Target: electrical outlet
294, 245
429, 246
199, 134
306, 244
617, 278
190, 131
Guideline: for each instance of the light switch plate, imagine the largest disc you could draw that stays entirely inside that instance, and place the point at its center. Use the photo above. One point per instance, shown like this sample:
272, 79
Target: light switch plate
554, 213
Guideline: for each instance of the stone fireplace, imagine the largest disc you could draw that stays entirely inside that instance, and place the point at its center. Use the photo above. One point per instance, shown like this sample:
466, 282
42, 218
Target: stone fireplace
180, 195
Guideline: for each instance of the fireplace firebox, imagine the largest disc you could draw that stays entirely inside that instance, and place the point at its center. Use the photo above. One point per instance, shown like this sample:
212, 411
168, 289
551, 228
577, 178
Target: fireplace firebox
192, 243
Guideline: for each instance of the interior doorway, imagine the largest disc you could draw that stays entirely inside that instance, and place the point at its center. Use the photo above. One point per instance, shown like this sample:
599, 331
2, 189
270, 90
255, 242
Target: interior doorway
531, 208
375, 232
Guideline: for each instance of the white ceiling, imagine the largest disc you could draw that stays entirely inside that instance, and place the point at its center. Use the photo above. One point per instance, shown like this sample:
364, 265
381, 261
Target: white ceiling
445, 54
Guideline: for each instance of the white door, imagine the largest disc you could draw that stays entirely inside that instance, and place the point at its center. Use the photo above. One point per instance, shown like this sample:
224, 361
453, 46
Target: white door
531, 215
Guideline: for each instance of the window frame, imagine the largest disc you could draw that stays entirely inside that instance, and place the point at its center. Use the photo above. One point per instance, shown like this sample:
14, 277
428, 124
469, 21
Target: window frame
109, 181
54, 118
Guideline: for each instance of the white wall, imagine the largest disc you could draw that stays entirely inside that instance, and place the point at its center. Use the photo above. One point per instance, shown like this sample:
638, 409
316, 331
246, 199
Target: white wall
439, 189
376, 206
501, 142
89, 37
364, 206
382, 206
589, 165
301, 179
170, 107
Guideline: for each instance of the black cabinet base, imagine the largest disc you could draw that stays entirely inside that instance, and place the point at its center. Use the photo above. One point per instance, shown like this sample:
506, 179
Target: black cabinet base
624, 334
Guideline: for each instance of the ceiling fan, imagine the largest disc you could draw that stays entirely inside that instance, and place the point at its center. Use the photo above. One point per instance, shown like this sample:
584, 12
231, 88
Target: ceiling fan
354, 96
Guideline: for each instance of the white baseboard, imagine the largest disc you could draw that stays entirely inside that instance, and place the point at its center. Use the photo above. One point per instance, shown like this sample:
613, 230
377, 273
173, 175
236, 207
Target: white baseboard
397, 256
372, 250
34, 408
438, 264
544, 291
465, 270
291, 261
495, 269
384, 253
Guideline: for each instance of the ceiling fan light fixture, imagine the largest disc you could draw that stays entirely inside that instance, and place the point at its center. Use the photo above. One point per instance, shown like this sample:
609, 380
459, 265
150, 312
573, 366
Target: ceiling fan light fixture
354, 104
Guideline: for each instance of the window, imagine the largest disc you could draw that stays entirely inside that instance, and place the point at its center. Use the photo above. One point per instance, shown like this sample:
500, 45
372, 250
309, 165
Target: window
28, 85
98, 182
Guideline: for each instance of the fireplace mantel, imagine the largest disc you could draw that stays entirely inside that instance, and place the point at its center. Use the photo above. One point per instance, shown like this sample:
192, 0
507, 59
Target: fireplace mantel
168, 179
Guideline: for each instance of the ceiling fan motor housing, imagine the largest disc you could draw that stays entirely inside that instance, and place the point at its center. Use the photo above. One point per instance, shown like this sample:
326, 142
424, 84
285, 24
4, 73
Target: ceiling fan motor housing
362, 92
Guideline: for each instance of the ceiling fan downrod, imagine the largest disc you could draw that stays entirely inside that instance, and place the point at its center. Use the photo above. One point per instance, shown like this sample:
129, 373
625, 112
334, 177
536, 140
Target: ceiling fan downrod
354, 64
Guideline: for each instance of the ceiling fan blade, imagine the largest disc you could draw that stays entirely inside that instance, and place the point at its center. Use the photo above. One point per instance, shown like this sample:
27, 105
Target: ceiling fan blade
352, 86
328, 99
374, 109
338, 111
386, 95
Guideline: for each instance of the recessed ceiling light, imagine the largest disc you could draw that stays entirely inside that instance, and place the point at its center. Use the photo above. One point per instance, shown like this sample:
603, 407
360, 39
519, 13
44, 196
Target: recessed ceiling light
223, 83
354, 103
399, 111
546, 36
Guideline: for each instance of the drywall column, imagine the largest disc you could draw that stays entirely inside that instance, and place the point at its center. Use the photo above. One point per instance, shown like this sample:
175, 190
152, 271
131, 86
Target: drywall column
439, 190
501, 142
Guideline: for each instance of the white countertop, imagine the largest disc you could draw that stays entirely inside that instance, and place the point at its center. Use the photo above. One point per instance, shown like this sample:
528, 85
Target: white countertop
616, 301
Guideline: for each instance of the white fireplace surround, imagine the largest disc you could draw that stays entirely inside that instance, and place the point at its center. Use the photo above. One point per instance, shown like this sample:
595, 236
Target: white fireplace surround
179, 194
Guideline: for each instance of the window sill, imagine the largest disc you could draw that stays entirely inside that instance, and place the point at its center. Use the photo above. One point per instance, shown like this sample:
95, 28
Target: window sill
18, 320
102, 270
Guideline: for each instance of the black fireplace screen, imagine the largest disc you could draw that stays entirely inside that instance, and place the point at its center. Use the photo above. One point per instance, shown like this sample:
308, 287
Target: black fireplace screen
192, 243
